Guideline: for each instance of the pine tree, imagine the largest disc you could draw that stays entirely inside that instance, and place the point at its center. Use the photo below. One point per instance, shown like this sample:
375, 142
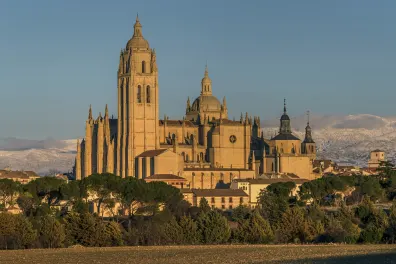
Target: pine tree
189, 229
204, 205
51, 232
213, 227
254, 230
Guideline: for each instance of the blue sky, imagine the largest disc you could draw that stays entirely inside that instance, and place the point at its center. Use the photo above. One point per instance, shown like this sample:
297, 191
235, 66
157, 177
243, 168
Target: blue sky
332, 57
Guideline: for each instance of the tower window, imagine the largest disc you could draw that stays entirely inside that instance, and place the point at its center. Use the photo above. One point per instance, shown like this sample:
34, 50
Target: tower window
143, 66
148, 94
139, 94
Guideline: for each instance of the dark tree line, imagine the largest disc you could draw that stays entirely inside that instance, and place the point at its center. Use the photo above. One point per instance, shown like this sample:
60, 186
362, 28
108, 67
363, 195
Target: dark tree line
337, 209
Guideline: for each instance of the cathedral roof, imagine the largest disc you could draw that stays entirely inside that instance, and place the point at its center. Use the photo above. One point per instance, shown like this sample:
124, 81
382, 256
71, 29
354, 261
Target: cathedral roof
151, 153
187, 123
286, 136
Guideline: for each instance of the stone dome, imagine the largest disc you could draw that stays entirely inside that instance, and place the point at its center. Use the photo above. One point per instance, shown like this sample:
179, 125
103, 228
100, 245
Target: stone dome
137, 43
207, 102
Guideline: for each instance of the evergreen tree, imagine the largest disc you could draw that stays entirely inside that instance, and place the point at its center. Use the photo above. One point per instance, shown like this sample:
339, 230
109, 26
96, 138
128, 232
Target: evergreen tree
173, 232
51, 232
190, 230
213, 227
16, 232
204, 205
254, 230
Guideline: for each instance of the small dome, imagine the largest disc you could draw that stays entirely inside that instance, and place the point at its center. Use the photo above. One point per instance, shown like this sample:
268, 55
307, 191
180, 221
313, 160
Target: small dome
206, 102
285, 117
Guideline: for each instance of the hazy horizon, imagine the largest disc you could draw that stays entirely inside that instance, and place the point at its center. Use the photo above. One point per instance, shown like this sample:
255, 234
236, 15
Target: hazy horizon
333, 58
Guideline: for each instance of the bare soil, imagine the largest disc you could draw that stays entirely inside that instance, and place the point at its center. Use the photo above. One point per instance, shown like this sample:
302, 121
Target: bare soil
224, 254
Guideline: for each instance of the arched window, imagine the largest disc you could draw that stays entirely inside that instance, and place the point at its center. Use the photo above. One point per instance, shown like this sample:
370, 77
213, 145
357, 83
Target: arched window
143, 66
186, 157
198, 157
148, 94
139, 94
201, 156
272, 167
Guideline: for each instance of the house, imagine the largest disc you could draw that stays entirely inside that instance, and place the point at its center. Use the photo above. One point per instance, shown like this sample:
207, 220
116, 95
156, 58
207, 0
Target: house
223, 199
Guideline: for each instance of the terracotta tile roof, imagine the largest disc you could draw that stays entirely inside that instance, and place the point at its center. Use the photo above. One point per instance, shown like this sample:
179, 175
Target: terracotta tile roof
165, 177
151, 153
218, 192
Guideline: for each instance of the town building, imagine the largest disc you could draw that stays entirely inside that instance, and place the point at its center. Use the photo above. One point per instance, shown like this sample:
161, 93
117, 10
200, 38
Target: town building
205, 147
19, 176
253, 187
223, 199
376, 157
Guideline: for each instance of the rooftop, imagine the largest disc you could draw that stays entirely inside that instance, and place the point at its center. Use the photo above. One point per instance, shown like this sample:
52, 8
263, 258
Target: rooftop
165, 177
151, 153
218, 192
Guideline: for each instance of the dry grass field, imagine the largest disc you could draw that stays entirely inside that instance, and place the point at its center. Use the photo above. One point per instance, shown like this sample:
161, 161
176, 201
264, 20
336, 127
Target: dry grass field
208, 254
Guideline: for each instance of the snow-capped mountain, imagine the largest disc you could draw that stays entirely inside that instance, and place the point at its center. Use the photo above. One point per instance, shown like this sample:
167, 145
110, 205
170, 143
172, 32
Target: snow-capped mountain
344, 139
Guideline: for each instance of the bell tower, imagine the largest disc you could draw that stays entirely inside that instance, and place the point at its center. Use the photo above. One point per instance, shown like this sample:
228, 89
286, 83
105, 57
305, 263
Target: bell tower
308, 146
138, 105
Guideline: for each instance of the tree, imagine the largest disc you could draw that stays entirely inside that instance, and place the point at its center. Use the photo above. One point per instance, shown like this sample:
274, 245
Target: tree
51, 232
272, 207
390, 232
295, 227
373, 221
48, 188
173, 232
130, 193
341, 230
254, 230
213, 227
102, 187
16, 232
282, 189
241, 212
204, 205
26, 204
8, 192
190, 230
88, 230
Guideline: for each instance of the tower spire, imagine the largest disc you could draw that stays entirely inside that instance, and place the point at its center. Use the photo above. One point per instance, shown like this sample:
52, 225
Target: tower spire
308, 117
90, 113
284, 106
106, 112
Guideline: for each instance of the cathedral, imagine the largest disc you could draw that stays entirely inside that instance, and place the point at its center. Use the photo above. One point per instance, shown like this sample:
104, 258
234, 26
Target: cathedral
204, 149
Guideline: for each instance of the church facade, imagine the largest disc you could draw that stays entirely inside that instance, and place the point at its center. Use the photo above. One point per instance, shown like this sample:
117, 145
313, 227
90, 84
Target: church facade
206, 148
